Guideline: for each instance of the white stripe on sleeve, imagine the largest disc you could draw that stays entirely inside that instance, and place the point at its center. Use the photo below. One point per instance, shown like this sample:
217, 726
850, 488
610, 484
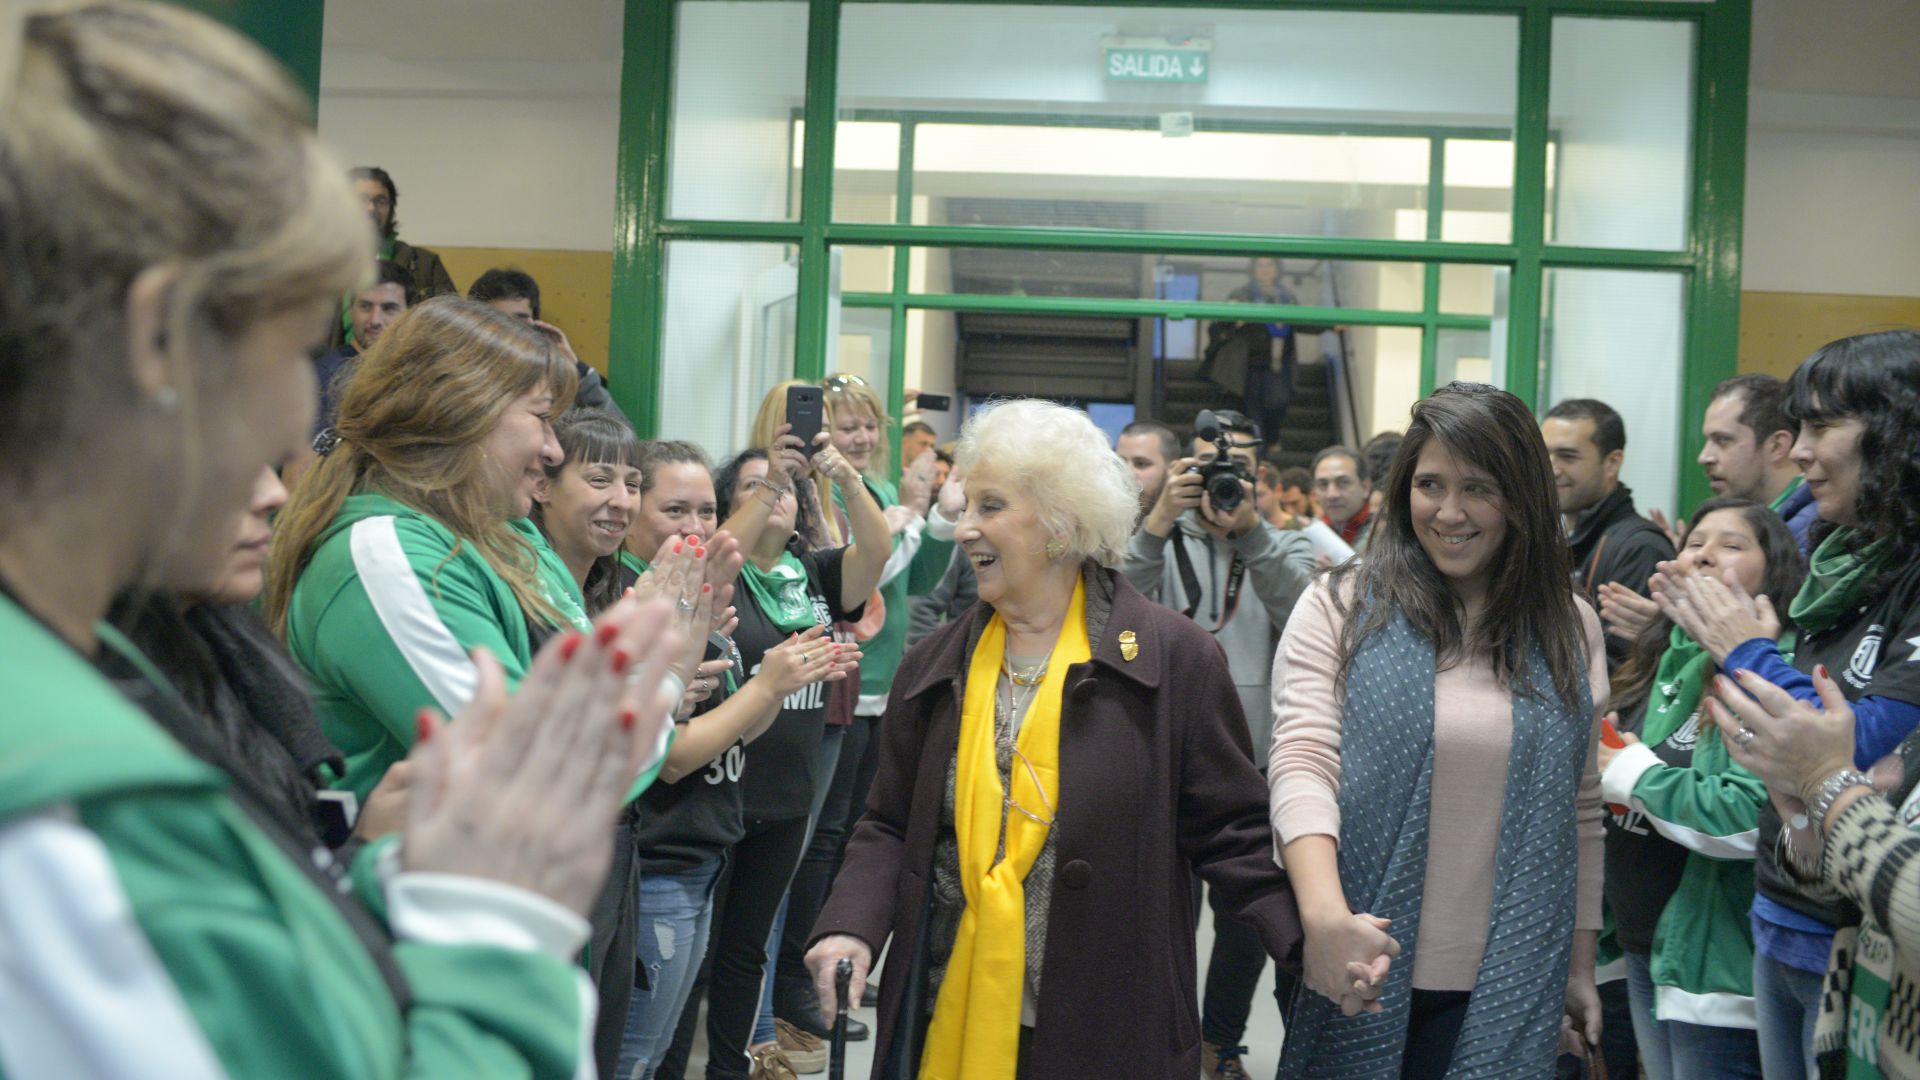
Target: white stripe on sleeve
408, 617
81, 991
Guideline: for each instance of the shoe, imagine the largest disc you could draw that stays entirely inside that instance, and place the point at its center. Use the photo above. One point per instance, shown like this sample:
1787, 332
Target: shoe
770, 1063
1222, 1062
801, 1008
870, 997
804, 1052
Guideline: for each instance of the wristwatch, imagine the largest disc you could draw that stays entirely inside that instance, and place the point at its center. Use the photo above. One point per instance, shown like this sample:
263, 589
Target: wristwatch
1822, 800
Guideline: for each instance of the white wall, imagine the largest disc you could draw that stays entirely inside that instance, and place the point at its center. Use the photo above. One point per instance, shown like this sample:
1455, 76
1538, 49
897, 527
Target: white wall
1832, 211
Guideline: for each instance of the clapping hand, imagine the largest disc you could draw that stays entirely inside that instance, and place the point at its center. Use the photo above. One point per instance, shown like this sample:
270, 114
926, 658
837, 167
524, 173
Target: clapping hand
1717, 614
1626, 613
834, 465
916, 483
1784, 741
525, 790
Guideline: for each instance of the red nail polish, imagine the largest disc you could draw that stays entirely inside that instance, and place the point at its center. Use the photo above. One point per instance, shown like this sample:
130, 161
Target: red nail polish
706, 588
1821, 670
677, 545
627, 720
422, 725
570, 645
606, 634
620, 661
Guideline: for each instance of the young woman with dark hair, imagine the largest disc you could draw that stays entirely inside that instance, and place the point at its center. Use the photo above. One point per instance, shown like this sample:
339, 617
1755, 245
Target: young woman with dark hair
1857, 402
1680, 837
1436, 706
589, 499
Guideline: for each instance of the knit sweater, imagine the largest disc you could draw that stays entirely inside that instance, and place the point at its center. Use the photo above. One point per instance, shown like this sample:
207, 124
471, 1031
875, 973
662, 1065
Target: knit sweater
1870, 856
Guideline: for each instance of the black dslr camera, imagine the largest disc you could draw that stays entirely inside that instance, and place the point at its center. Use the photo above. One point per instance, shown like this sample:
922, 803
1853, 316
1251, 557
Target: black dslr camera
1222, 476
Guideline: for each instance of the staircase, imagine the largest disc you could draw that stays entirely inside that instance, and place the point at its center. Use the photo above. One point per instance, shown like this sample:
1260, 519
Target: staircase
1310, 426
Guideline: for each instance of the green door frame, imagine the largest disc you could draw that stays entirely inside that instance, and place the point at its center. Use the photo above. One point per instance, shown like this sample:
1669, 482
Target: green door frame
1711, 259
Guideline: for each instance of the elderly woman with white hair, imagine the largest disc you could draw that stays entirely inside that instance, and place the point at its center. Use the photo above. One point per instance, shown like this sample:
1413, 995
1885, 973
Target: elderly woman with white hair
1054, 767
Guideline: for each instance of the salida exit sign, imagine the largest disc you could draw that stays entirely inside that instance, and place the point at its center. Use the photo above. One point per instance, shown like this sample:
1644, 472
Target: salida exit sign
1158, 63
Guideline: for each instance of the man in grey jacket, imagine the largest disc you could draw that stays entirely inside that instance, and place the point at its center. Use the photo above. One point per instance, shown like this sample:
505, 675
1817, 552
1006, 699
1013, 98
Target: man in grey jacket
1238, 576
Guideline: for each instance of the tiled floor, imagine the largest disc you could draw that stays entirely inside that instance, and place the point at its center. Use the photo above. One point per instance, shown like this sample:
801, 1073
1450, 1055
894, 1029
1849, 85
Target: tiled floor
1263, 1034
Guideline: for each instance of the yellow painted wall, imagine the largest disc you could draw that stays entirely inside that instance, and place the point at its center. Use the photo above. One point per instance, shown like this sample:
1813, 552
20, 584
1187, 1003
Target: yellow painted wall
576, 289
1779, 329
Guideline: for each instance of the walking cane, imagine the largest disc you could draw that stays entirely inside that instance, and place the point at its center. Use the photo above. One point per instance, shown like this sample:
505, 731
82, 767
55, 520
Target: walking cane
842, 986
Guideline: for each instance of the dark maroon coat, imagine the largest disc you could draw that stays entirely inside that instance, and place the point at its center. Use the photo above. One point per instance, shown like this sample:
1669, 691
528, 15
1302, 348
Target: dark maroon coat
1156, 777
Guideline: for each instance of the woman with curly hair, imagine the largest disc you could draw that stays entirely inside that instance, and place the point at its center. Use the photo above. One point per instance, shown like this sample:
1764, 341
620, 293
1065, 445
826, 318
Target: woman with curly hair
1857, 401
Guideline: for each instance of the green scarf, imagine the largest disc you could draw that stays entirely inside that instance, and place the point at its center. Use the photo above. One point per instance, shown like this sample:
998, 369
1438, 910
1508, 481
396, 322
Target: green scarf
1836, 580
1677, 685
1780, 500
781, 593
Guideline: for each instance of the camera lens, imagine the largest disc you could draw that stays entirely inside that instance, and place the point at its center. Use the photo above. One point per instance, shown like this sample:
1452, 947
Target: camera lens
1224, 491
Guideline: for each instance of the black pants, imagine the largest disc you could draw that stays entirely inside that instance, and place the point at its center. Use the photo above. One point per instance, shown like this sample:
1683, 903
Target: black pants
846, 801
1233, 975
615, 919
1617, 1047
745, 900
1433, 1028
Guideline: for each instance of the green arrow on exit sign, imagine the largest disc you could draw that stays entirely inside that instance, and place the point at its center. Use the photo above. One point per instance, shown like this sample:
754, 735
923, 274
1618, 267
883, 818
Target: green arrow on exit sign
1158, 65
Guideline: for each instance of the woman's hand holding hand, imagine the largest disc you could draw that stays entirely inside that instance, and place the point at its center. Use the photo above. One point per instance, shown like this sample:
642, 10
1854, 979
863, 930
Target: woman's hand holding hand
1721, 617
1346, 959
1581, 1021
824, 957
525, 791
1792, 746
1626, 613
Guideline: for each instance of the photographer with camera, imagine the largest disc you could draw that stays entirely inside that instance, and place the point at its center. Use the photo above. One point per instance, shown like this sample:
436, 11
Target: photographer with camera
1204, 550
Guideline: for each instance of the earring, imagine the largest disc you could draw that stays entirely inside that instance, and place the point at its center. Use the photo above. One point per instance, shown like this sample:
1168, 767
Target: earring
166, 399
1055, 549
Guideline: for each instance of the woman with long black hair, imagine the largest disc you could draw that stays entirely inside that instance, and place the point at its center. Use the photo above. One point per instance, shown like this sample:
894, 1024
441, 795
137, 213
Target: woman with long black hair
1436, 706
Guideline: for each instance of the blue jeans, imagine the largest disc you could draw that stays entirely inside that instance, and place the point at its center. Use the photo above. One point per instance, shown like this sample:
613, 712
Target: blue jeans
1788, 1002
1654, 1036
1677, 1050
676, 911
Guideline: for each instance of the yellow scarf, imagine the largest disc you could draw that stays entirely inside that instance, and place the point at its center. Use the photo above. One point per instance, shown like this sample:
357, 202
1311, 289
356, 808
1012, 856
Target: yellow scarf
976, 1021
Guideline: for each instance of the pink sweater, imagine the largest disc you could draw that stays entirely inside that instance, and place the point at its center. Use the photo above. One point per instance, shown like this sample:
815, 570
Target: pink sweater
1473, 729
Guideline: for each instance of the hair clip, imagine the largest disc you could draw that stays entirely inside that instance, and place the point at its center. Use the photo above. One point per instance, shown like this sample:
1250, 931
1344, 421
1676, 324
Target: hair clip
325, 441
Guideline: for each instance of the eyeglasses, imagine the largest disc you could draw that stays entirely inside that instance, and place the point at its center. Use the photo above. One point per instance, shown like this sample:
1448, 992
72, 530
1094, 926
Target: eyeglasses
1007, 803
380, 202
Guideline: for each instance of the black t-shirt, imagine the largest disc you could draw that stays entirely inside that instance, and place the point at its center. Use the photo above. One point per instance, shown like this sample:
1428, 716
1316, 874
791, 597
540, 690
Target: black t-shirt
1643, 868
691, 821
782, 764
1873, 653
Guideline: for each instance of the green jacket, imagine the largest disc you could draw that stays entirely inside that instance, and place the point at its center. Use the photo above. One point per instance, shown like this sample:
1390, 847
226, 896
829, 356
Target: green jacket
881, 655
162, 925
383, 619
1702, 960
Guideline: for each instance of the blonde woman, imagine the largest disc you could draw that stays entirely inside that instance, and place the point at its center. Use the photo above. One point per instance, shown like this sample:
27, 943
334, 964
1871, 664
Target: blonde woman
174, 240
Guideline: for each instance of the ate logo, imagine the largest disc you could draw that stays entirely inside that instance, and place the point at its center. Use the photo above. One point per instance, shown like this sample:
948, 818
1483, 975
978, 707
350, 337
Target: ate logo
1865, 658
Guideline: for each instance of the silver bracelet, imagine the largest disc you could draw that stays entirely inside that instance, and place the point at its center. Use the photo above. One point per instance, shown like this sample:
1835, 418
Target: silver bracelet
1822, 799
